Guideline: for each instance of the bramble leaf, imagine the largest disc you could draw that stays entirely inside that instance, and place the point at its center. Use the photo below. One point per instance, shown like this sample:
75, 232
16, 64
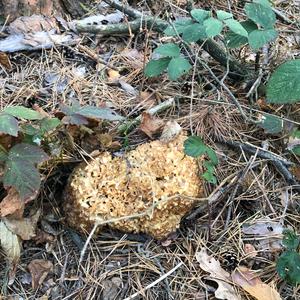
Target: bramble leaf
194, 33
290, 240
177, 67
156, 67
177, 27
261, 14
236, 27
213, 27
271, 124
223, 15
23, 112
284, 85
168, 50
200, 15
194, 146
99, 113
8, 125
288, 267
259, 38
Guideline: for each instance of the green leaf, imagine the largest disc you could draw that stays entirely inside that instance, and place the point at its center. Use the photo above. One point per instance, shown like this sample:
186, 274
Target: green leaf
194, 33
177, 27
156, 67
177, 67
259, 38
223, 15
271, 124
200, 15
8, 125
296, 150
49, 124
20, 171
99, 113
235, 40
261, 15
212, 156
209, 177
23, 112
210, 167
213, 27
3, 155
168, 50
194, 146
290, 240
288, 267
284, 84
263, 2
236, 27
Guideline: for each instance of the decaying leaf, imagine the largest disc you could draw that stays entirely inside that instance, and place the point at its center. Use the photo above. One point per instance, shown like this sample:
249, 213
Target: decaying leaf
250, 282
216, 273
113, 75
25, 228
39, 269
150, 124
269, 234
250, 250
5, 61
171, 130
12, 204
111, 288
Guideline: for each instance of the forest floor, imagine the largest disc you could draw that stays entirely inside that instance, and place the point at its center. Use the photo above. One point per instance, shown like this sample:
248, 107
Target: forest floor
118, 265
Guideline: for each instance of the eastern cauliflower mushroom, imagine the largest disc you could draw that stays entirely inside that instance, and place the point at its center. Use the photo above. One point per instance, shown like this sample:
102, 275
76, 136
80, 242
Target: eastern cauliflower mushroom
147, 190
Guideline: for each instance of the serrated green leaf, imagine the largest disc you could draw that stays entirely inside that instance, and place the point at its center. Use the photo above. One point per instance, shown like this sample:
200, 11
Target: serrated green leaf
194, 146
212, 156
234, 40
177, 27
8, 125
288, 267
49, 124
200, 15
213, 27
23, 112
271, 124
223, 15
284, 84
209, 177
156, 67
194, 33
236, 27
177, 67
99, 113
290, 240
168, 50
261, 14
259, 38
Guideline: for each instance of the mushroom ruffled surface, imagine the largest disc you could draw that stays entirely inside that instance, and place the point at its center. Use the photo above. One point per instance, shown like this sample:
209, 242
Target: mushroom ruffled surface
147, 190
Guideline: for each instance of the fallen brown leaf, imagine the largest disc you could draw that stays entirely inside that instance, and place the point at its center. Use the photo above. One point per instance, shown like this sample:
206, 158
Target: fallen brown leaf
42, 237
39, 269
216, 273
12, 204
113, 75
250, 251
251, 283
171, 130
5, 61
150, 125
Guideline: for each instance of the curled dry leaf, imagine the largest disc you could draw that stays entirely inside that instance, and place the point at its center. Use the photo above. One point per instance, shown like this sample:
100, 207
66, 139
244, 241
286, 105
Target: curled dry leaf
150, 124
113, 75
251, 283
39, 269
5, 61
216, 273
171, 130
25, 228
12, 204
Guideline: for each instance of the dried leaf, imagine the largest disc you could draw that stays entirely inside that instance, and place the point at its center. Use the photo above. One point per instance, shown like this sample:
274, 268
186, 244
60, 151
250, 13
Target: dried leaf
113, 75
5, 61
39, 269
250, 251
250, 282
171, 130
216, 273
24, 228
12, 204
150, 124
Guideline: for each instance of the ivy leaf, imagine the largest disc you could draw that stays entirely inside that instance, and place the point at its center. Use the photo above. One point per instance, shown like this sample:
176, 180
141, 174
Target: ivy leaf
284, 84
213, 27
236, 27
261, 14
271, 124
23, 113
177, 27
194, 146
258, 38
177, 67
223, 15
194, 33
8, 125
200, 15
156, 67
288, 267
20, 171
235, 40
168, 50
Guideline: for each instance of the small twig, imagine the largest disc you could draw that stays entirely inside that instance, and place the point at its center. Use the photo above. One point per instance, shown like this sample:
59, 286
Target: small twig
129, 125
154, 282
